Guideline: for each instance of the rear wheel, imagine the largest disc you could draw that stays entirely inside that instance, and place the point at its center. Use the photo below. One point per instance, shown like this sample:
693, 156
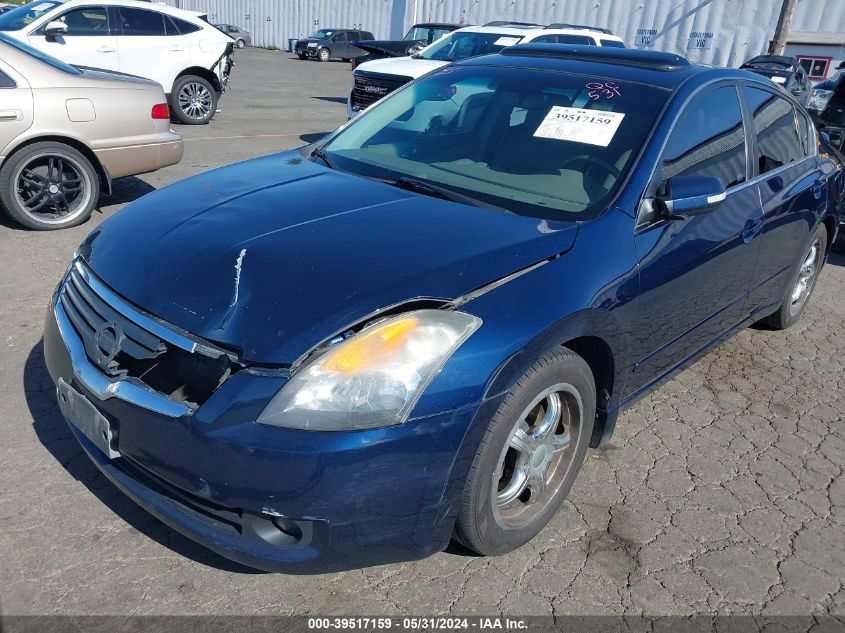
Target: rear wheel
193, 100
802, 284
240, 43
48, 186
530, 455
324, 55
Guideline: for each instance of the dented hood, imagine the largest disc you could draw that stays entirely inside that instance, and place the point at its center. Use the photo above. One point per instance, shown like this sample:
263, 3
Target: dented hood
273, 255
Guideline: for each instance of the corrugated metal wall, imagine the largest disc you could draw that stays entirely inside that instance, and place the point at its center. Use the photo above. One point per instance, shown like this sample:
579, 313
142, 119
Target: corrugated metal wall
724, 32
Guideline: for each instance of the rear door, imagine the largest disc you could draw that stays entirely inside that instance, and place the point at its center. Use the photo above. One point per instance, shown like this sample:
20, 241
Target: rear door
150, 46
791, 187
695, 272
15, 105
90, 39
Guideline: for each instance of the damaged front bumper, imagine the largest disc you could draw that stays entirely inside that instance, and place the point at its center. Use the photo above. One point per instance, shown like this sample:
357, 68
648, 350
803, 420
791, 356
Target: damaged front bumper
270, 498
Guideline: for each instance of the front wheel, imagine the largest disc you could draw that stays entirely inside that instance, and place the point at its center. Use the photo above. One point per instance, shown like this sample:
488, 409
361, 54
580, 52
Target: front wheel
802, 283
324, 55
303, 57
193, 100
529, 456
48, 186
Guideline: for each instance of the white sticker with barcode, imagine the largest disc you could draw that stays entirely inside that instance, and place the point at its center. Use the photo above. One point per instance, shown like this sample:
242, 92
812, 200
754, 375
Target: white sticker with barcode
779, 80
506, 41
594, 127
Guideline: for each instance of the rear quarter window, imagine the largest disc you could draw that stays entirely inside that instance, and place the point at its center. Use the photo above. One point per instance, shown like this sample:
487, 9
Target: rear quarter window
6, 81
776, 129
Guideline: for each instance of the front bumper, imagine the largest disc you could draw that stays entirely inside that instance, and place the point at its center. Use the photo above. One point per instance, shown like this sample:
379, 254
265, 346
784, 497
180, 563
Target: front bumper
270, 498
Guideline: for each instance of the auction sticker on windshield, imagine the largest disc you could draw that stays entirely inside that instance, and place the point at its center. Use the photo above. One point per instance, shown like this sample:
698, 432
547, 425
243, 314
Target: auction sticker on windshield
506, 41
595, 127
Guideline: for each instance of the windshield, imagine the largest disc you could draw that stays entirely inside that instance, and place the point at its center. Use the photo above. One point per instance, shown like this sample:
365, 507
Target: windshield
321, 34
537, 143
25, 14
425, 34
43, 57
461, 45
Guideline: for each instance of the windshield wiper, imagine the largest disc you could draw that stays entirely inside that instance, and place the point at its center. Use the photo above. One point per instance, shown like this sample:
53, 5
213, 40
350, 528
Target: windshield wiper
320, 152
412, 184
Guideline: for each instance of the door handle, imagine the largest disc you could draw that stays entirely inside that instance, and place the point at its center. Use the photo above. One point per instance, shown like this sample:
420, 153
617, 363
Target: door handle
11, 115
106, 49
751, 230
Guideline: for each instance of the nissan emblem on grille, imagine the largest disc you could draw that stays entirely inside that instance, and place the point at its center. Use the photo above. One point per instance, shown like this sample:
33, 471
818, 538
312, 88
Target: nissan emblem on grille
107, 341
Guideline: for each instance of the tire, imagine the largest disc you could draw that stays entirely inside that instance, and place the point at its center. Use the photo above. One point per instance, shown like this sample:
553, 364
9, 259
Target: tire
193, 100
302, 57
240, 43
802, 283
492, 524
324, 55
49, 185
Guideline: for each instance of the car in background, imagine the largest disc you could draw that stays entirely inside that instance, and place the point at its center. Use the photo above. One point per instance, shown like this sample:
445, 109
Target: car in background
241, 36
6, 7
178, 49
479, 274
418, 37
65, 133
376, 79
827, 107
784, 71
326, 44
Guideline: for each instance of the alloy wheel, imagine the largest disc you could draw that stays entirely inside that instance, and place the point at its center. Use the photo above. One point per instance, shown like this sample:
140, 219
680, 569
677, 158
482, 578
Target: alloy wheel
52, 189
806, 278
195, 100
538, 456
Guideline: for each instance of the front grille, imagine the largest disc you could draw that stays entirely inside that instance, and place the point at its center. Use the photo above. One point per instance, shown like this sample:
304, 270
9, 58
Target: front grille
370, 87
122, 349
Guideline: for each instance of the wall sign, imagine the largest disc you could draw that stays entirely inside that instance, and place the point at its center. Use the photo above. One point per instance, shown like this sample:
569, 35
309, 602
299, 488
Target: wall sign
702, 40
644, 37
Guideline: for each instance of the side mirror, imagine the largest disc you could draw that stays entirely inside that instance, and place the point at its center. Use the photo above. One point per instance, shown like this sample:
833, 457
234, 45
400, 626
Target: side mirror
690, 195
55, 28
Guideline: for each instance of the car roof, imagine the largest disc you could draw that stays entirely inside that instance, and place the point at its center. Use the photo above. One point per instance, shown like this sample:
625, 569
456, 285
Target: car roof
141, 4
530, 30
435, 25
657, 69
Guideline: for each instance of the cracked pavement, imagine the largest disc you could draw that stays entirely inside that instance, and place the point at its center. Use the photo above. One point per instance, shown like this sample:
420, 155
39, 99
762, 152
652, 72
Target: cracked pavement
723, 491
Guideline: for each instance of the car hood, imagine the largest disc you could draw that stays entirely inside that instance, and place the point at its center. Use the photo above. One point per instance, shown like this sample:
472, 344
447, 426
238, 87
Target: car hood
272, 256
401, 66
391, 48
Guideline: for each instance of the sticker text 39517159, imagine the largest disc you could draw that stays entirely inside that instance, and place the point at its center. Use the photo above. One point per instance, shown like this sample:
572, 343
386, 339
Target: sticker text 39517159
594, 127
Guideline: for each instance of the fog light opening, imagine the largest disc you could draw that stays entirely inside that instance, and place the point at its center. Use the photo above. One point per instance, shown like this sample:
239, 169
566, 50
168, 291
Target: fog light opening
288, 528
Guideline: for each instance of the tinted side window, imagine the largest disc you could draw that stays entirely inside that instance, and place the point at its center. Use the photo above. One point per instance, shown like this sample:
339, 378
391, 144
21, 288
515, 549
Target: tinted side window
775, 126
612, 43
180, 26
545, 39
708, 139
87, 21
340, 37
6, 81
576, 39
141, 22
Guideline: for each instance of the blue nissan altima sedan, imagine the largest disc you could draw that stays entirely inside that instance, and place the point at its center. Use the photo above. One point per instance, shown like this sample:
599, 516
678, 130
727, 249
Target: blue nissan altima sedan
414, 329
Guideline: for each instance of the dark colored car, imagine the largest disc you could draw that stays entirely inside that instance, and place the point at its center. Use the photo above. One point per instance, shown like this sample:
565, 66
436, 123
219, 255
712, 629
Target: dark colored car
327, 44
241, 36
786, 72
418, 37
827, 108
415, 328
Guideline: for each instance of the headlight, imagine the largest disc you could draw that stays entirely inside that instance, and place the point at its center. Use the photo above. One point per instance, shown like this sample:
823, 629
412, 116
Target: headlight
819, 100
372, 379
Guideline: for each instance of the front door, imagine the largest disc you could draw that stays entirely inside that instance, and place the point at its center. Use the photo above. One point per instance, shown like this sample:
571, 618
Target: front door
695, 272
90, 40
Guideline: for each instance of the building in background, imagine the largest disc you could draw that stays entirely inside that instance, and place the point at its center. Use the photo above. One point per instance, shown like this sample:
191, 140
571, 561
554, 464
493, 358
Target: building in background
718, 32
